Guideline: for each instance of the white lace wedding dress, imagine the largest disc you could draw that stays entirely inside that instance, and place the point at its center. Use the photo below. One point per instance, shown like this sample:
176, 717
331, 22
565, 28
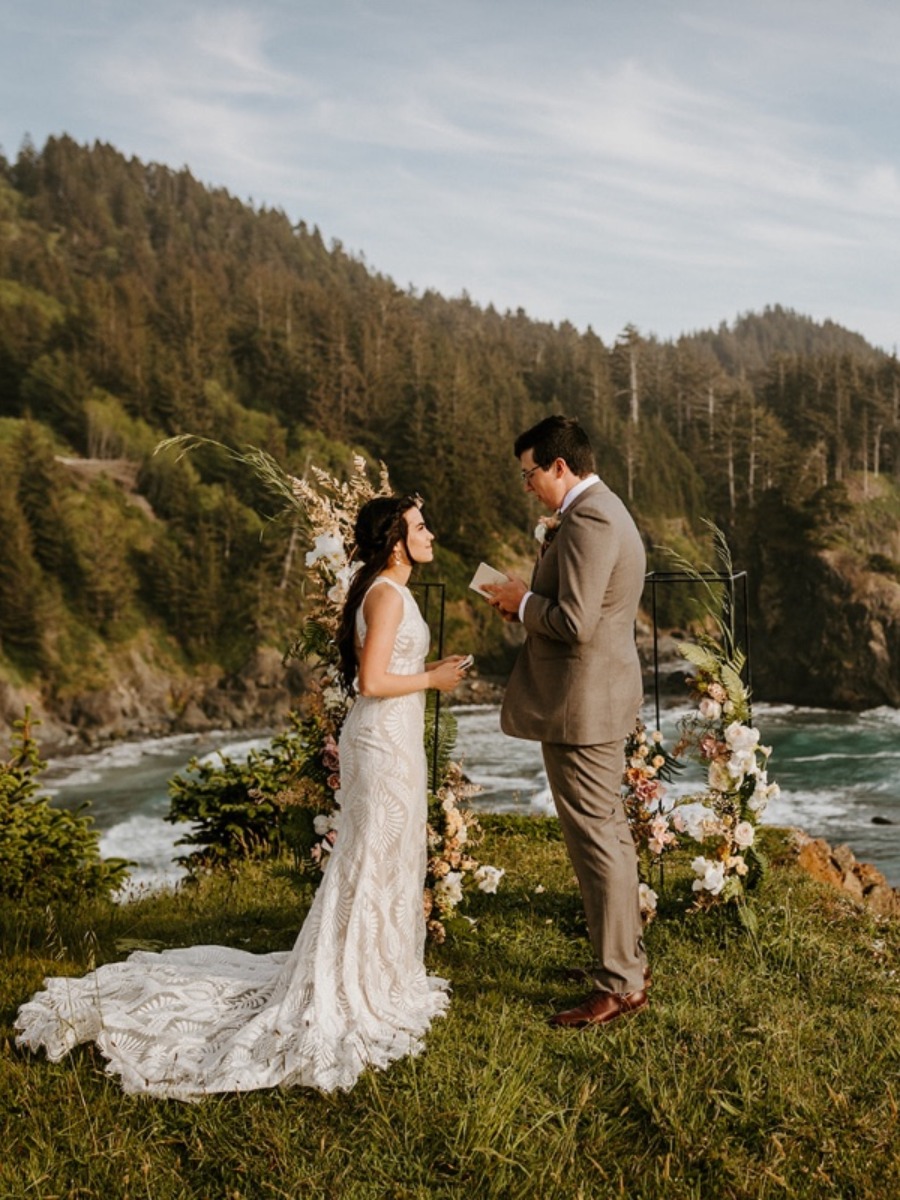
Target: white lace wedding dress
352, 993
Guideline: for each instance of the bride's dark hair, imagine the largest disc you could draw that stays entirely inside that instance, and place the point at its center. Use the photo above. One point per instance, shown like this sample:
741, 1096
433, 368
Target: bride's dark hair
380, 525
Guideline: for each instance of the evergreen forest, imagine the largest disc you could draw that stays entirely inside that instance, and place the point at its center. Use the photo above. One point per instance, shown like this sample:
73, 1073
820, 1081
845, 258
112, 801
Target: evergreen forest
137, 303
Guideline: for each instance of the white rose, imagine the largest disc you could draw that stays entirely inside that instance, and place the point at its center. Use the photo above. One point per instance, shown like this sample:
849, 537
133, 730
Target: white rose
744, 834
647, 897
321, 824
742, 762
710, 709
741, 737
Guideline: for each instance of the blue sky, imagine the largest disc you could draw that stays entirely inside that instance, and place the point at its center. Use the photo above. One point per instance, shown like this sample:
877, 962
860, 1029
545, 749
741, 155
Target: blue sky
666, 164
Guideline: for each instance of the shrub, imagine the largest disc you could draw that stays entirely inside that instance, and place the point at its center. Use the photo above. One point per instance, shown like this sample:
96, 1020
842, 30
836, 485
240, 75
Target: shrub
46, 853
257, 808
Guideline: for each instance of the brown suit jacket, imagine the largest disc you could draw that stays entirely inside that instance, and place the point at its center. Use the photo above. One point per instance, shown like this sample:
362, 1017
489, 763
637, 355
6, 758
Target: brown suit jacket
577, 679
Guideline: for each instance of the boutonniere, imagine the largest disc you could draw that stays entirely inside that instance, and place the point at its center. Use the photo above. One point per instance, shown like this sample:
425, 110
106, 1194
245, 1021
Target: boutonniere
545, 530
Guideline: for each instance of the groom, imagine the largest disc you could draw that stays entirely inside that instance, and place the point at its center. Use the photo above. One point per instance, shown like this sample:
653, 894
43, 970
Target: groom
576, 688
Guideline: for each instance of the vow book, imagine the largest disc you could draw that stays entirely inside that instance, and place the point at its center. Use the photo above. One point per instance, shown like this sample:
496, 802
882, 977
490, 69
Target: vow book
483, 575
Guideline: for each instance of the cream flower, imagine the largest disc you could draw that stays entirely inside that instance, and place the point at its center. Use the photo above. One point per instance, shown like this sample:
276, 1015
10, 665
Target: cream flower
448, 891
488, 878
744, 834
720, 777
710, 709
741, 737
735, 862
710, 876
328, 546
647, 897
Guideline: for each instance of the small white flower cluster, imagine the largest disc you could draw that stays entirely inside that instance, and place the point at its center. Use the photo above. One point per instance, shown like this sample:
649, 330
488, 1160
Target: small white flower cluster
448, 890
330, 557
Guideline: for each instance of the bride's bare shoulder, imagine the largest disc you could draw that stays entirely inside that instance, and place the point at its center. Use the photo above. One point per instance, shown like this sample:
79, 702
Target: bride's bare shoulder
383, 599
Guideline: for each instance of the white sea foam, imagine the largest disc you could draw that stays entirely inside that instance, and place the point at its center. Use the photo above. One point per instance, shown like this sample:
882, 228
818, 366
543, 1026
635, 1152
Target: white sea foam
151, 844
234, 750
844, 755
85, 770
813, 809
881, 716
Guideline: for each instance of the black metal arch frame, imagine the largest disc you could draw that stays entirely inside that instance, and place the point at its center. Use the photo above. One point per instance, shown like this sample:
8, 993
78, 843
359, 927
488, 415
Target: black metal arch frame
735, 590
736, 598
429, 590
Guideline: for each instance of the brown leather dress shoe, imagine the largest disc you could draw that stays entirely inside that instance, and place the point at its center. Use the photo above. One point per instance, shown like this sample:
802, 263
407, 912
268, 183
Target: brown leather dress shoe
600, 1008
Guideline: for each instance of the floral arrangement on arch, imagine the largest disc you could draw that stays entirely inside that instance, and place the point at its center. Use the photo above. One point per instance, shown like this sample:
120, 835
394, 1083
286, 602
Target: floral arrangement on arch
330, 507
721, 819
648, 767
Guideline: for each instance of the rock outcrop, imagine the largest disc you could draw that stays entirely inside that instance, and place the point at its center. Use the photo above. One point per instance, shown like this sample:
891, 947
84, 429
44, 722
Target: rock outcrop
839, 867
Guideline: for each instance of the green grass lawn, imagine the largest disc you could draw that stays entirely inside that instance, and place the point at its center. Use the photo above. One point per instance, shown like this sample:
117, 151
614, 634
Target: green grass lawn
768, 1065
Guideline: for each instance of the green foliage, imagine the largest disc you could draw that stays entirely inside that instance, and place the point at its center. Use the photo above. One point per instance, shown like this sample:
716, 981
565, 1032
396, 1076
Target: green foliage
439, 758
249, 809
46, 853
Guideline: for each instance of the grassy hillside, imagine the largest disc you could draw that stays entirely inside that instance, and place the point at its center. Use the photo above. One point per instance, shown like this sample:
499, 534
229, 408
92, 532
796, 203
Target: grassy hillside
766, 1067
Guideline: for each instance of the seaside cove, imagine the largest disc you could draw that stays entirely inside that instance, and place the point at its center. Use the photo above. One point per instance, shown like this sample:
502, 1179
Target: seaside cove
839, 775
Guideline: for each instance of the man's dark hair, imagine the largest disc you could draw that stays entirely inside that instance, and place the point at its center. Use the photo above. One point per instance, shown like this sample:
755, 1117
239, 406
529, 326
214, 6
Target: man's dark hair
558, 437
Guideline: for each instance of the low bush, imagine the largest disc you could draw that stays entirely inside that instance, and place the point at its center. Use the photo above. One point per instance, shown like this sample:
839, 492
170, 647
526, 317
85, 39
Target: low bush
46, 853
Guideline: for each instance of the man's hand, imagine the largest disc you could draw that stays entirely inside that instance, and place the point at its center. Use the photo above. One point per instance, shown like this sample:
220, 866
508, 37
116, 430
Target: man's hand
506, 597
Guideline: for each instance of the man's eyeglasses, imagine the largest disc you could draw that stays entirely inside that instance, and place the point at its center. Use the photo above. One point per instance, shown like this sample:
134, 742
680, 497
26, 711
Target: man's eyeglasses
526, 475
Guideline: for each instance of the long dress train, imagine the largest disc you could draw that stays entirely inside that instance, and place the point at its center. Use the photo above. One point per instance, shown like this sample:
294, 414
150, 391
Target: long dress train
352, 993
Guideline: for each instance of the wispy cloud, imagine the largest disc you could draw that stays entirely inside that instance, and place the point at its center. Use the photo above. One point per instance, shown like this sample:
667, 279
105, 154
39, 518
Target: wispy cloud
671, 167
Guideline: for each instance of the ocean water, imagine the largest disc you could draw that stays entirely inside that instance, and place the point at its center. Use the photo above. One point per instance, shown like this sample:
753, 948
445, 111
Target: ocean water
839, 775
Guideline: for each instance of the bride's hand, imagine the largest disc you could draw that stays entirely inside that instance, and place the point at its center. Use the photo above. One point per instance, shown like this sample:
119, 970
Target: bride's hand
446, 674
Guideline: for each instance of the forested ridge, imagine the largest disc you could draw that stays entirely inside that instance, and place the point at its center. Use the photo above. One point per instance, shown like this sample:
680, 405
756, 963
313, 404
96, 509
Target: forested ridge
137, 303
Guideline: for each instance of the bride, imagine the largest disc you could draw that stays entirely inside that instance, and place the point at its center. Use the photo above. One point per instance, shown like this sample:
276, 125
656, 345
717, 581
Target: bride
353, 992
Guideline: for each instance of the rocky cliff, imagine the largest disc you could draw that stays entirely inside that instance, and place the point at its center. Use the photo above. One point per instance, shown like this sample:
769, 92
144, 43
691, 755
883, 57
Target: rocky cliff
146, 697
